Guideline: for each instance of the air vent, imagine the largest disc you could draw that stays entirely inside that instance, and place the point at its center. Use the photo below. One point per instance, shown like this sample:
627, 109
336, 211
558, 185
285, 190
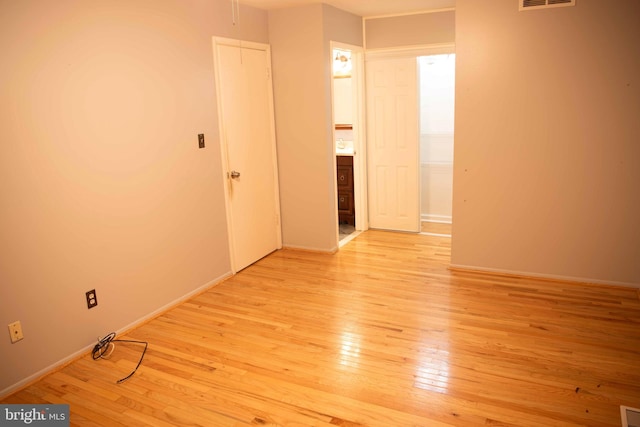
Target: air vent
630, 416
543, 4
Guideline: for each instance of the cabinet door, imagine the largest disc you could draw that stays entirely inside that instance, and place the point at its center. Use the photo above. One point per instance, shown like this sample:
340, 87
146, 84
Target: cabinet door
345, 177
345, 202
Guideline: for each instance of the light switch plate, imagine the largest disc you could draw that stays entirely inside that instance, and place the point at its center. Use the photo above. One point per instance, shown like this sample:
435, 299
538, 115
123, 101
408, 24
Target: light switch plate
15, 330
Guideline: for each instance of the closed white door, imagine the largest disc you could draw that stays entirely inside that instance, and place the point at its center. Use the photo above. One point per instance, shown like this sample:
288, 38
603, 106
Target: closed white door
393, 145
248, 148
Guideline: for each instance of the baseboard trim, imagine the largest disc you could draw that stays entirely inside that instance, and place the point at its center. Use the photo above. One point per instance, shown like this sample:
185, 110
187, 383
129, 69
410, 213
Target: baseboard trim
14, 388
530, 275
443, 219
349, 238
136, 324
308, 249
424, 233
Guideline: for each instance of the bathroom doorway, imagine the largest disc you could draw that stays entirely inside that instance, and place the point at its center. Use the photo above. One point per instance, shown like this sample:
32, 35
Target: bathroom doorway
347, 103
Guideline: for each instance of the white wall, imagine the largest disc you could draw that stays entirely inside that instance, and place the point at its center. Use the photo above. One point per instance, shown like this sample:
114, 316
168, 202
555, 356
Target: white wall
546, 167
343, 100
428, 28
302, 74
101, 179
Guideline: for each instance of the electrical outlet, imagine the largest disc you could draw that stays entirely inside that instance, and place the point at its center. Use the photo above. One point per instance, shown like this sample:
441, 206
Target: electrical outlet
15, 330
201, 140
92, 299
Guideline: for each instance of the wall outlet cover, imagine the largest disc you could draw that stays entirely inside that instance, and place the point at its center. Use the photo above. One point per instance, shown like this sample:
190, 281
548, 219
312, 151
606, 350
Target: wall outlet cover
92, 299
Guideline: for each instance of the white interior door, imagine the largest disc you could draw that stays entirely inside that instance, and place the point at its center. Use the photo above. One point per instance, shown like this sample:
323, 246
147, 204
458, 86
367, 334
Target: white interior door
248, 149
393, 144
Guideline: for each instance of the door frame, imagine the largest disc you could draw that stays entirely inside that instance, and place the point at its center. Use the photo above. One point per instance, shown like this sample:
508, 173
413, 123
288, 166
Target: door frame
410, 52
224, 154
399, 155
359, 136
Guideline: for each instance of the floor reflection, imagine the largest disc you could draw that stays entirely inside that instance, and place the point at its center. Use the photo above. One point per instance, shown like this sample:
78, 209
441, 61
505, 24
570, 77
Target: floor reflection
350, 349
432, 372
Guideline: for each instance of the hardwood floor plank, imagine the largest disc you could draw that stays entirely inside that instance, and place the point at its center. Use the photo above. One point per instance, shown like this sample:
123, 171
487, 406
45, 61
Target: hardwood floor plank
435, 227
381, 333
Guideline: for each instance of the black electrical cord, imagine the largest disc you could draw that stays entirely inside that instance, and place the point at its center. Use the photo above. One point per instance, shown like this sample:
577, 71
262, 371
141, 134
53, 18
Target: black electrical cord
100, 351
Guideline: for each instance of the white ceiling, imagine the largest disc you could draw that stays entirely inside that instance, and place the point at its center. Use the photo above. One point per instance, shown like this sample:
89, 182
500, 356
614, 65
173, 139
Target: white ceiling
360, 7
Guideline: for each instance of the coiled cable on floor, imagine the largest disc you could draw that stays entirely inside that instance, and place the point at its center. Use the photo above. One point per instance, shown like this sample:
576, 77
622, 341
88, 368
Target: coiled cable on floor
105, 347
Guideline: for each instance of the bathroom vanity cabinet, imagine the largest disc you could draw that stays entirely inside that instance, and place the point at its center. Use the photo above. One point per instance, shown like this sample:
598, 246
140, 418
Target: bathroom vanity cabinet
346, 211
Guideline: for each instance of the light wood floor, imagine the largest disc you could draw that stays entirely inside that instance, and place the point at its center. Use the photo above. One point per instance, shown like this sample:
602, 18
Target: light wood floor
435, 227
379, 334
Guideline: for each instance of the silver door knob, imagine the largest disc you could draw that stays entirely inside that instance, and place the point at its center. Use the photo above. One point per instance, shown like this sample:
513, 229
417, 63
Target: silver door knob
234, 174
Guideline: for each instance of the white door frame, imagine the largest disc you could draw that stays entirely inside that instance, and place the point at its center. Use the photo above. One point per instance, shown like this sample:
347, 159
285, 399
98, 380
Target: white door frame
410, 52
223, 141
393, 129
359, 137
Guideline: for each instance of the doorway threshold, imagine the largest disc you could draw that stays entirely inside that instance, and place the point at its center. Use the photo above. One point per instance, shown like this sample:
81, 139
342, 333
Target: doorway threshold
435, 228
347, 239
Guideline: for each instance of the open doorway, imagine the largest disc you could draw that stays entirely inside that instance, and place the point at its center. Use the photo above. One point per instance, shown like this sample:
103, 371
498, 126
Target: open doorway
410, 114
347, 94
436, 99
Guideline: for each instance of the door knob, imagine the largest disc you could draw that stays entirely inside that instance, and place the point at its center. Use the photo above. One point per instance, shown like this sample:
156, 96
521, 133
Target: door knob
234, 174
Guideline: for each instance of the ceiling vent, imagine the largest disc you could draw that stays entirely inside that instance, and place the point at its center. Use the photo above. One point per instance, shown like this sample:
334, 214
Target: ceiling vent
543, 4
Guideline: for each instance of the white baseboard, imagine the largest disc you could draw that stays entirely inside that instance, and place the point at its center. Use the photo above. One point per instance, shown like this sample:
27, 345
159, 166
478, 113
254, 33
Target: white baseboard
349, 238
41, 373
586, 280
445, 219
424, 233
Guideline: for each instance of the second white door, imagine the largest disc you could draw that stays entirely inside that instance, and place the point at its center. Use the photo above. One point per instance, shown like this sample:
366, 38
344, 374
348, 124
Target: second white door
393, 144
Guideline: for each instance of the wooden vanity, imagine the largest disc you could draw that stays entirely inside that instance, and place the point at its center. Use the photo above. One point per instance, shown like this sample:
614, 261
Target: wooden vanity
346, 211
